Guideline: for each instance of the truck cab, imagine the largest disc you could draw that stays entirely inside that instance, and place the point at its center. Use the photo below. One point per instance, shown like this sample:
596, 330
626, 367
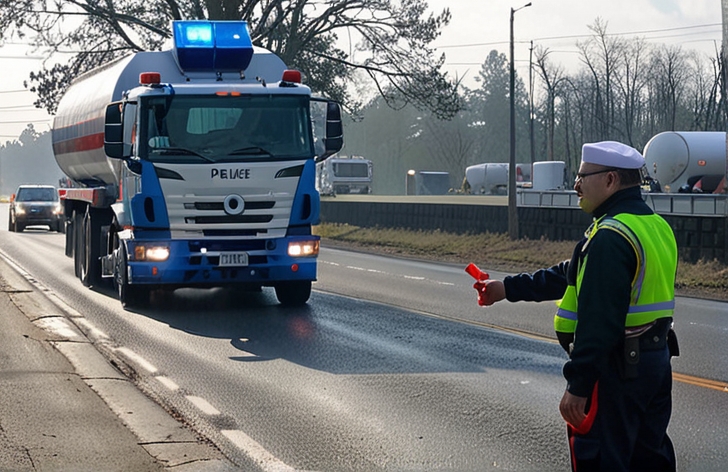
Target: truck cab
206, 173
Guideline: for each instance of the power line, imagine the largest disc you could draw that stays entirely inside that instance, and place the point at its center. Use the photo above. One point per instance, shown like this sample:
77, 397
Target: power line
24, 121
578, 36
20, 108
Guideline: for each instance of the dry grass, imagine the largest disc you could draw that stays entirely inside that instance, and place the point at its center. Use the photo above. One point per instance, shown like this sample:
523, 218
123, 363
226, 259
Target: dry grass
706, 279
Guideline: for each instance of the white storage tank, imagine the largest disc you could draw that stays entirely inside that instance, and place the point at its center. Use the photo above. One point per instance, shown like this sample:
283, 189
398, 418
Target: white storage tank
548, 175
679, 158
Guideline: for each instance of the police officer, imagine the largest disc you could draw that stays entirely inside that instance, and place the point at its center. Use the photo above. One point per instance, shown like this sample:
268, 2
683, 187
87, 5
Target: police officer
614, 319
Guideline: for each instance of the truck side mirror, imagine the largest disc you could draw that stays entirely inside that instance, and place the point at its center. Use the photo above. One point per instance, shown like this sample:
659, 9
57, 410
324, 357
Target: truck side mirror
334, 139
115, 145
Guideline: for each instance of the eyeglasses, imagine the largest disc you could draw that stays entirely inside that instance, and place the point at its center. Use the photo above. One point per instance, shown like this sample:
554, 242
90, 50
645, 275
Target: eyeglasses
580, 176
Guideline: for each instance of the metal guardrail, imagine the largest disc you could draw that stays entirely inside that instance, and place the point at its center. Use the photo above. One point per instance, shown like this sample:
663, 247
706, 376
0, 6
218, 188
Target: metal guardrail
683, 204
693, 204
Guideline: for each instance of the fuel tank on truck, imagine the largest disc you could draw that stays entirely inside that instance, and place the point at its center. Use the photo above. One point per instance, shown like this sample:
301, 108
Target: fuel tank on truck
678, 158
78, 127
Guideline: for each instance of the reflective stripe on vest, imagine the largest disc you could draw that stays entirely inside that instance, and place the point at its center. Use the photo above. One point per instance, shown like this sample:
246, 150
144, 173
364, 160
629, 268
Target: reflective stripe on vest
656, 264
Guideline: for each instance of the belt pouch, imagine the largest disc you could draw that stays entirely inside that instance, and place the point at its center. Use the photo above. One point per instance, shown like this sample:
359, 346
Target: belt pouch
631, 357
672, 345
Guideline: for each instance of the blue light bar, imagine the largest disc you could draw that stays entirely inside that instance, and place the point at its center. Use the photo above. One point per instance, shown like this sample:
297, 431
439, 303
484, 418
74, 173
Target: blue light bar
212, 45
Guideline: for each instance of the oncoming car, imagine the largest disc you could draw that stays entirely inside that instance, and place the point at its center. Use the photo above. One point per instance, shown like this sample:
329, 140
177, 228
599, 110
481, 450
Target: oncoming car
35, 205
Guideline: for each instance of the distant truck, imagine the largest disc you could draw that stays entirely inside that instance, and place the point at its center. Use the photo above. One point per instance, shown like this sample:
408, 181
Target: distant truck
339, 175
424, 182
492, 178
194, 167
687, 161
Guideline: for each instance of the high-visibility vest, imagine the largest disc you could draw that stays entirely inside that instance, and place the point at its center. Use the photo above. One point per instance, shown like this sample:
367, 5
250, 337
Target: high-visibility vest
653, 285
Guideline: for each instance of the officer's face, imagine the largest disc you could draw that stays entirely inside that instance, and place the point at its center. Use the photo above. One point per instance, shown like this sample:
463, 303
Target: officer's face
594, 184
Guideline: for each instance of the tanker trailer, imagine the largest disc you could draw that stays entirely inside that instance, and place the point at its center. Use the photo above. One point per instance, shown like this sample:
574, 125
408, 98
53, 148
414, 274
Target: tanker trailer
679, 159
492, 178
194, 167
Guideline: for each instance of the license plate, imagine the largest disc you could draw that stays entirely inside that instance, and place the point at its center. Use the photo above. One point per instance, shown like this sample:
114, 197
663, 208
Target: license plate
232, 259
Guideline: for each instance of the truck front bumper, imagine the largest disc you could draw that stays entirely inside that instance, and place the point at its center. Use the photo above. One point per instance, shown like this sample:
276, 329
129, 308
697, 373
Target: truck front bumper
198, 263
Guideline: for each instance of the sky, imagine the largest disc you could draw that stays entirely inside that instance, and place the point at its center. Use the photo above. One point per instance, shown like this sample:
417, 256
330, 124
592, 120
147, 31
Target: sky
476, 28
479, 26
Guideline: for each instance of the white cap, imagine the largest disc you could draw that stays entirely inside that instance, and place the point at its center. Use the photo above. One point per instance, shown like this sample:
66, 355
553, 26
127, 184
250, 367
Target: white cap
612, 154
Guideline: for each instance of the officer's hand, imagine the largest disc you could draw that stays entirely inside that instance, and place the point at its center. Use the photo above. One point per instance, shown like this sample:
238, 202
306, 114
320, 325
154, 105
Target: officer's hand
494, 291
572, 409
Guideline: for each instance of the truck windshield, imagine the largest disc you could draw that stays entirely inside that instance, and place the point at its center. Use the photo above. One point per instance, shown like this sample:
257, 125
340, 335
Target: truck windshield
351, 169
211, 128
38, 194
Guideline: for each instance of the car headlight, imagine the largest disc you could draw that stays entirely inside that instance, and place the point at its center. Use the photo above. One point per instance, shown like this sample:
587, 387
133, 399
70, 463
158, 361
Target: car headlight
19, 210
153, 253
303, 248
57, 209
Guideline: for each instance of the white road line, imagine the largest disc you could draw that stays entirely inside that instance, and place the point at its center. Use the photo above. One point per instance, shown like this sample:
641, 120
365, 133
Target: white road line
267, 461
91, 331
167, 382
203, 405
137, 359
375, 271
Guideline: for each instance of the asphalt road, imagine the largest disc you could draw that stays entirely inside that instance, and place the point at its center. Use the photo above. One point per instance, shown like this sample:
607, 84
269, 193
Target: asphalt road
399, 373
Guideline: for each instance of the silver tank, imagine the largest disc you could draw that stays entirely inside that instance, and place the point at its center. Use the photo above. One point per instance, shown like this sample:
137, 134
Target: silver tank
78, 127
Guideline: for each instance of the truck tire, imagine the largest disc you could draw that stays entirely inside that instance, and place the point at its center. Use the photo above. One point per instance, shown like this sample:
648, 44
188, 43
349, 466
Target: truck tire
130, 296
293, 293
79, 249
91, 239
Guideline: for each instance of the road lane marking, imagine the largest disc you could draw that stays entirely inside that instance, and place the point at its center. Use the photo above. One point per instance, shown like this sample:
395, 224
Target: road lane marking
701, 382
91, 331
167, 382
376, 271
203, 405
137, 359
267, 461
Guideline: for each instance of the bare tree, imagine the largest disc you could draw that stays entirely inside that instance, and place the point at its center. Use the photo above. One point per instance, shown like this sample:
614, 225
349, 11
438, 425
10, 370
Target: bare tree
670, 77
552, 76
601, 55
392, 37
631, 80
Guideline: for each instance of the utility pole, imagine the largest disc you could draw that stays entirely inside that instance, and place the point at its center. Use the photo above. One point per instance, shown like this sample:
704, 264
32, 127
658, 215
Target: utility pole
512, 202
724, 60
530, 105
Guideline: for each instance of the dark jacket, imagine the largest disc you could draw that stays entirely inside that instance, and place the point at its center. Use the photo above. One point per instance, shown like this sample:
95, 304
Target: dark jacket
604, 296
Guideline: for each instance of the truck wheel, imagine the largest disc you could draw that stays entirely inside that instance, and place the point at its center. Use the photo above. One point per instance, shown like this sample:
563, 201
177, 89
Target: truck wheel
130, 296
78, 245
90, 264
293, 293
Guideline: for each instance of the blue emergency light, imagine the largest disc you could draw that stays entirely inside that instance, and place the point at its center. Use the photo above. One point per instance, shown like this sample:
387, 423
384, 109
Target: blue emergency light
220, 46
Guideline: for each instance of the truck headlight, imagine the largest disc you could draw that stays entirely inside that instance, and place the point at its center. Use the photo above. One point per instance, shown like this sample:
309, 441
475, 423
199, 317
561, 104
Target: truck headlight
157, 253
303, 248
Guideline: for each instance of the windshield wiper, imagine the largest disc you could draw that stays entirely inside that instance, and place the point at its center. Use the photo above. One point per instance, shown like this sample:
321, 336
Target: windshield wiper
176, 150
250, 150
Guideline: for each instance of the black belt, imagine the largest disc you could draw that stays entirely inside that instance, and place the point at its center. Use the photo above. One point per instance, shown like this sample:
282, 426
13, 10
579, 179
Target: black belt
655, 338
